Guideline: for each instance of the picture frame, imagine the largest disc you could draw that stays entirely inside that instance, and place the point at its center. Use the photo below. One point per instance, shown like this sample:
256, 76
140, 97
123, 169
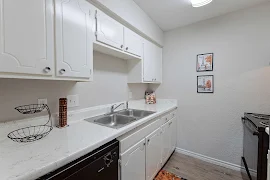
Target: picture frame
205, 62
205, 84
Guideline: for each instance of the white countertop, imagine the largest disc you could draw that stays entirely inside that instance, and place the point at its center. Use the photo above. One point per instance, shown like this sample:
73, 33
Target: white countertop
27, 161
267, 130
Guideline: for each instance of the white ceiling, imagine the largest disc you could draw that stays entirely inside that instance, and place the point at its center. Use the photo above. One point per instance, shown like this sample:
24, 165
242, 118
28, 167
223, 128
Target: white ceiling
170, 14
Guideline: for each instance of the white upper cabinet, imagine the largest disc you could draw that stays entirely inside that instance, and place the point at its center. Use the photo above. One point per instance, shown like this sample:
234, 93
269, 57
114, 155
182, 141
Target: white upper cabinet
158, 64
133, 162
26, 37
109, 31
148, 62
74, 43
152, 63
133, 42
153, 154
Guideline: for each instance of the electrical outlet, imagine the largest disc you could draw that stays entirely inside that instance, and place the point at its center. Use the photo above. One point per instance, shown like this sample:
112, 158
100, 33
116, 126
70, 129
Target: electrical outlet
42, 101
73, 100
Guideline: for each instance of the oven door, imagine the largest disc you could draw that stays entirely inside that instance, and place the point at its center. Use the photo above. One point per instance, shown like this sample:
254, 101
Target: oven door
250, 150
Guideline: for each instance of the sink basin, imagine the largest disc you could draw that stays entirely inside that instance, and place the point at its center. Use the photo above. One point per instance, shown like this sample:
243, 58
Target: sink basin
120, 119
135, 113
113, 120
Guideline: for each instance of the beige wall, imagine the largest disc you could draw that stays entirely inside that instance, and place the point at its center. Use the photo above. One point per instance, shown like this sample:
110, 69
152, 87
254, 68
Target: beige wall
210, 124
109, 86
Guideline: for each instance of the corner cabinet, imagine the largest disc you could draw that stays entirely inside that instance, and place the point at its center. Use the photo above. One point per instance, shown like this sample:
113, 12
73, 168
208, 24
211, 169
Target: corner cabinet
74, 44
27, 37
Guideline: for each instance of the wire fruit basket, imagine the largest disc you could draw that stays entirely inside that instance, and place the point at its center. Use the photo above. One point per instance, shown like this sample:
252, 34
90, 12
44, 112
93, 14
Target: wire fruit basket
32, 133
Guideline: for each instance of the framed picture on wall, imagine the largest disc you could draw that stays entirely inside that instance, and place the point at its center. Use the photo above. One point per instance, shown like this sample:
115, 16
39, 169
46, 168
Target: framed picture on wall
205, 62
205, 84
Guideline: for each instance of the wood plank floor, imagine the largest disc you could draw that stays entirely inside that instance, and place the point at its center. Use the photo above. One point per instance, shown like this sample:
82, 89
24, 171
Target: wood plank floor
195, 169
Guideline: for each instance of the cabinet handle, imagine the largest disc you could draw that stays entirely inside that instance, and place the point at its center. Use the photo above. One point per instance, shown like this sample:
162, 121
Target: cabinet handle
62, 71
148, 141
122, 46
47, 69
144, 144
170, 123
126, 48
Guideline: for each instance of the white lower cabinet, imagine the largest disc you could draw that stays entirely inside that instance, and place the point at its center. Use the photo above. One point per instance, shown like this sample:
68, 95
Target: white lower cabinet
153, 145
133, 162
166, 141
153, 154
173, 127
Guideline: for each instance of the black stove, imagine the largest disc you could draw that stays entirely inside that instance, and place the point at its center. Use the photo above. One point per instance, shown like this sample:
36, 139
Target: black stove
260, 121
255, 146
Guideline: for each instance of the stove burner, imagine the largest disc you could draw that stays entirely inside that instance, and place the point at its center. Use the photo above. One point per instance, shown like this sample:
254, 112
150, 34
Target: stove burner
265, 123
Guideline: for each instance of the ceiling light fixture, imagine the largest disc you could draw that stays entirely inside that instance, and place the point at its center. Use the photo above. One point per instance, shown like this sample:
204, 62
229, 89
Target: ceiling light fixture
200, 3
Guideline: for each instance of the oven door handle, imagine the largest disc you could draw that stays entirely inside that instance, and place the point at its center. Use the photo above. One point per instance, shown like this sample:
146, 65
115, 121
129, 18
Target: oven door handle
255, 133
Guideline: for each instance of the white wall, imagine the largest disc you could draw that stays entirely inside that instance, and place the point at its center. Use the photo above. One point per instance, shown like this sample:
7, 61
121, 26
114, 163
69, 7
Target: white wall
210, 124
129, 11
109, 86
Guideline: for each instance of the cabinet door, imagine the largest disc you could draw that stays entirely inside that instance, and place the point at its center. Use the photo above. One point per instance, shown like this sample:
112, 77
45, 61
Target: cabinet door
173, 127
166, 141
133, 42
26, 37
74, 43
153, 154
158, 64
148, 61
133, 162
109, 31
152, 62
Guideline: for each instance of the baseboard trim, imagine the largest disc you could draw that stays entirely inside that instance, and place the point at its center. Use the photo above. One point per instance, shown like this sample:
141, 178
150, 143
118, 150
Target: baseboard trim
213, 160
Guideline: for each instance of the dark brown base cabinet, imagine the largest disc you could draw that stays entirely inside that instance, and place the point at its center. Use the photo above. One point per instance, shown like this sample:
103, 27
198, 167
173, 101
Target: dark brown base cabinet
101, 164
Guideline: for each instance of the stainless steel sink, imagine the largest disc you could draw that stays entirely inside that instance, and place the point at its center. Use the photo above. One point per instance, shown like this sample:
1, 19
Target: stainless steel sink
135, 113
120, 119
112, 120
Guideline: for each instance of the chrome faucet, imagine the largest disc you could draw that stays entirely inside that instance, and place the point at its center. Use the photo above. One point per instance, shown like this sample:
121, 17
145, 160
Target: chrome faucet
127, 105
113, 108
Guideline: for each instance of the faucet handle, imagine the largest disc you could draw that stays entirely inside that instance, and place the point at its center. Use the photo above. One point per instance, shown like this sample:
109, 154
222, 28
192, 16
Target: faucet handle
127, 105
